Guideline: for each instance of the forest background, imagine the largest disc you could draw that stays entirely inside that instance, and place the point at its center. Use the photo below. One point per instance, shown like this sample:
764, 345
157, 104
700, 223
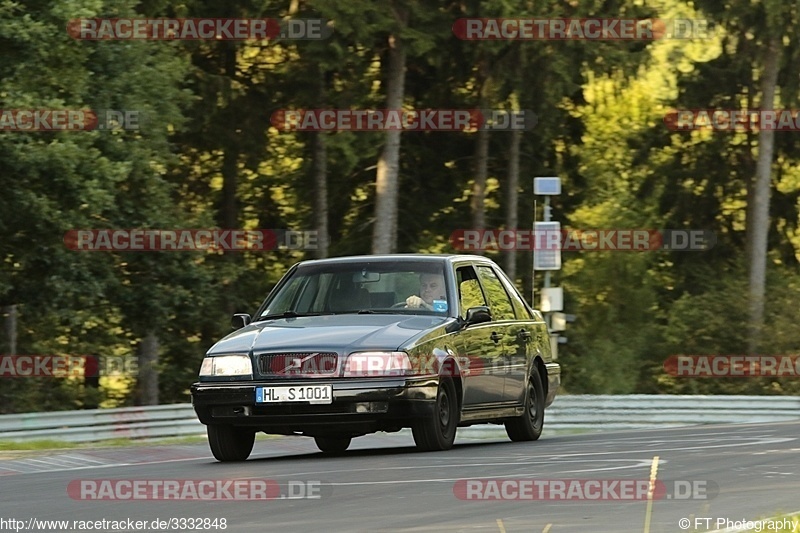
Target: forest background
207, 156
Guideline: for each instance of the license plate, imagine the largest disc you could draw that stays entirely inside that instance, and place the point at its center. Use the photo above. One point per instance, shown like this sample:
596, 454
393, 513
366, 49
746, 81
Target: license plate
298, 393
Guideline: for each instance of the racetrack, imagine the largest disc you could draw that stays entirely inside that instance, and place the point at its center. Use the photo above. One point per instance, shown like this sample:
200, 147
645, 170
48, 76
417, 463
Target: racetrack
383, 484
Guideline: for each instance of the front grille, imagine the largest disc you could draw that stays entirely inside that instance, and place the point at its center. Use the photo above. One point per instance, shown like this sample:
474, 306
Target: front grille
303, 409
298, 364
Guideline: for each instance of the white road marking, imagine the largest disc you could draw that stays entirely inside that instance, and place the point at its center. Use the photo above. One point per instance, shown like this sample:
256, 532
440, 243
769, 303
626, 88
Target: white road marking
636, 464
450, 480
84, 458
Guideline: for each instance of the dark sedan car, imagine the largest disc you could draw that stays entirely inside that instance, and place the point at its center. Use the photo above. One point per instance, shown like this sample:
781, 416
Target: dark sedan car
349, 346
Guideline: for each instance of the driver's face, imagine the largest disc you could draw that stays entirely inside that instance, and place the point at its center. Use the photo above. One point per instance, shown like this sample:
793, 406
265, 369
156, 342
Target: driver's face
431, 287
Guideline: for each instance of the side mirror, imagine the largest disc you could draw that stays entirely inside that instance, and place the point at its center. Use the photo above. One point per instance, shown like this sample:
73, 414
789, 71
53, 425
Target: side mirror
240, 320
478, 315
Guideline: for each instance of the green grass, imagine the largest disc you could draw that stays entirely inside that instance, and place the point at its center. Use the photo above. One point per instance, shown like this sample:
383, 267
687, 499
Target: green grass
14, 446
571, 431
112, 443
36, 445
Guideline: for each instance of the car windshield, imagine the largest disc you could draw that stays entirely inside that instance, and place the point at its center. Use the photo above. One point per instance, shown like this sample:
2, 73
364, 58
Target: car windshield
373, 287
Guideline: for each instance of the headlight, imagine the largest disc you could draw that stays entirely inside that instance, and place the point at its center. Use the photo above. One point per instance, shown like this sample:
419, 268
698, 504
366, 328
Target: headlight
226, 365
378, 364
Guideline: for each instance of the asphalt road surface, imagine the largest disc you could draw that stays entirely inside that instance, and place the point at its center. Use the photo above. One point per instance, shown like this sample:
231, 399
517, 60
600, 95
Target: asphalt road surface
717, 472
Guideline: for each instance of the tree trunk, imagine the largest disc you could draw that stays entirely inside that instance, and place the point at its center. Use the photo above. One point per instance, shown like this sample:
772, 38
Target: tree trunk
384, 236
11, 391
228, 215
148, 370
10, 328
320, 171
512, 205
478, 202
749, 183
761, 198
229, 212
321, 193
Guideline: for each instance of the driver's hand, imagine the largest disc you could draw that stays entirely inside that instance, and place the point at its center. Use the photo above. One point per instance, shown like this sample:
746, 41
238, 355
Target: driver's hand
415, 302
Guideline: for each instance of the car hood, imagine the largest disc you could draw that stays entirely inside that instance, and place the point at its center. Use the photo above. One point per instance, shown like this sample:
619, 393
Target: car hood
340, 333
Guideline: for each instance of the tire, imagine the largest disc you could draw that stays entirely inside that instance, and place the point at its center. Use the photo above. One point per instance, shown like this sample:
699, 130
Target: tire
438, 431
332, 445
529, 426
229, 443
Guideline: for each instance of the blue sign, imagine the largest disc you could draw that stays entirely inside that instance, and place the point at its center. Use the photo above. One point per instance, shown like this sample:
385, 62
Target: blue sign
440, 306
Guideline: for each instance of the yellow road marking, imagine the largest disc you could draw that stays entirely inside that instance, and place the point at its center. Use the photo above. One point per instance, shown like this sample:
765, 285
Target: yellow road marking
651, 489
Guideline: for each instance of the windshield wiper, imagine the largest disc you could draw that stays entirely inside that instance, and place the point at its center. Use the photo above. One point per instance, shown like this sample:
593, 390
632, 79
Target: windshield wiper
381, 311
365, 312
285, 314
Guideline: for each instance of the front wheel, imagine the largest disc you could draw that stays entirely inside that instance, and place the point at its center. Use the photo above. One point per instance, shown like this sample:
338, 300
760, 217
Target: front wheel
529, 426
229, 443
332, 445
438, 431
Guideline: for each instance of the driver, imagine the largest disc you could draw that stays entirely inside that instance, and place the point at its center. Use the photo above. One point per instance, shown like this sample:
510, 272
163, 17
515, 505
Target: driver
431, 287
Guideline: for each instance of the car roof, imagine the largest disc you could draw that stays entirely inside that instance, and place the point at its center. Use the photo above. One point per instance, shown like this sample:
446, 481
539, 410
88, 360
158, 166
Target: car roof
449, 258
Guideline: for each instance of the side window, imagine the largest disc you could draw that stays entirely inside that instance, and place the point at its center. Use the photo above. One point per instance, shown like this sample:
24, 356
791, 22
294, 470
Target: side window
469, 290
499, 302
516, 298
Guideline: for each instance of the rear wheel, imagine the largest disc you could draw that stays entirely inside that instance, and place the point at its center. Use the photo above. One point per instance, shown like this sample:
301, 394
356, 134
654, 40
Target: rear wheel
229, 443
529, 426
332, 444
438, 431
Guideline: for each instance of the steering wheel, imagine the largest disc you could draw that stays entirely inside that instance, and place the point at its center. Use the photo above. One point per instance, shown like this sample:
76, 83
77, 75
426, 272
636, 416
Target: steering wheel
424, 306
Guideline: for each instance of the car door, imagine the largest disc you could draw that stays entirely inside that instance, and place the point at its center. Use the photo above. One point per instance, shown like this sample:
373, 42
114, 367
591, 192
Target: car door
512, 345
530, 335
478, 346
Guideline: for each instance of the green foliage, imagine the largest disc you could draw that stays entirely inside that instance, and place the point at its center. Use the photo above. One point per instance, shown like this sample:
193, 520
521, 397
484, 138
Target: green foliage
713, 321
207, 109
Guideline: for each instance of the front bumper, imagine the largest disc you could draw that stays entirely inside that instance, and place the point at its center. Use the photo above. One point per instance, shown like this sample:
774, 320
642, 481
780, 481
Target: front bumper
553, 382
359, 406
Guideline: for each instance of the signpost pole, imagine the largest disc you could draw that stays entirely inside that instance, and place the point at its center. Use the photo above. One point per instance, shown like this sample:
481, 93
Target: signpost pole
548, 186
546, 218
533, 263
